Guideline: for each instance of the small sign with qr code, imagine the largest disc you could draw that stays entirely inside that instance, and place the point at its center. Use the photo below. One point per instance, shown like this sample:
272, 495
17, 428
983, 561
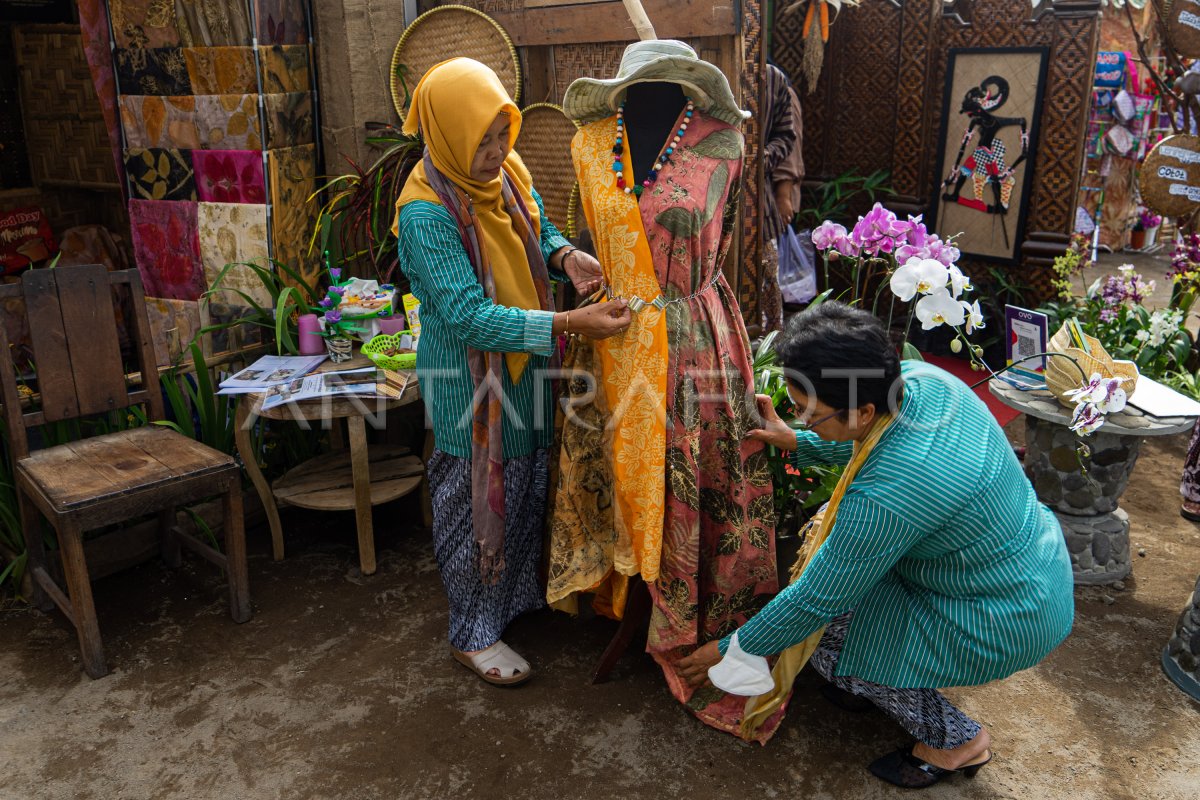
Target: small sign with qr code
1027, 340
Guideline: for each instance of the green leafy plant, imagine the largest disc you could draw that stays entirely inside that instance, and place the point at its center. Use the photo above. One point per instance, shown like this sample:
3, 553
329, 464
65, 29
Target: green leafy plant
199, 412
355, 221
1184, 382
796, 490
291, 295
835, 198
1113, 311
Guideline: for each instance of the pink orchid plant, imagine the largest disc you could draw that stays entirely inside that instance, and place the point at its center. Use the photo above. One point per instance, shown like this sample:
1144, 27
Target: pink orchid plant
920, 266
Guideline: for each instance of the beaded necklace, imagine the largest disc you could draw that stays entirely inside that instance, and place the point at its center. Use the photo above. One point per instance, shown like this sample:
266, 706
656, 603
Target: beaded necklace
663, 159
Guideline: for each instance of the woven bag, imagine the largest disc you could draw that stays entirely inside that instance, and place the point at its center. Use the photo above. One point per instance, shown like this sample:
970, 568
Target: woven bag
1063, 377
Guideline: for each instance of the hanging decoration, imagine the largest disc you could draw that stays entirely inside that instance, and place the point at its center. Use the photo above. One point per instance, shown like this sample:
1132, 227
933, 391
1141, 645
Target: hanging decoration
815, 33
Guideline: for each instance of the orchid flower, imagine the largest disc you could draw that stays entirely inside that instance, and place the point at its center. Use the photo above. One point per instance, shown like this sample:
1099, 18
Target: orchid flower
974, 316
1086, 419
826, 235
918, 276
1105, 394
939, 308
959, 282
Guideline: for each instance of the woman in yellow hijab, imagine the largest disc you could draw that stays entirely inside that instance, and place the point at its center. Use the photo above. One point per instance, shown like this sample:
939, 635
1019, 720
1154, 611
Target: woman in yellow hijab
478, 251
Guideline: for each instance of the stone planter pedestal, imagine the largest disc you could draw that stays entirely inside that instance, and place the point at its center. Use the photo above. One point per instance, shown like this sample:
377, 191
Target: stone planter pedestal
1084, 491
1181, 657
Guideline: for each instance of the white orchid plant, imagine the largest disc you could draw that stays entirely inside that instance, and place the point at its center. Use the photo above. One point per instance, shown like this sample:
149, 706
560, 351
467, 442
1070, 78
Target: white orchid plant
1093, 401
920, 266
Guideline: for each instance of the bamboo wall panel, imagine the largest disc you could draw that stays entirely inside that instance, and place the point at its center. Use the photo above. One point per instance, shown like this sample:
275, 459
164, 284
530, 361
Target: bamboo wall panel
878, 104
66, 134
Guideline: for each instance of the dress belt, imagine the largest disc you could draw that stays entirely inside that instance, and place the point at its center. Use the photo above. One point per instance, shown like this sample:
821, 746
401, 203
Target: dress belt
661, 302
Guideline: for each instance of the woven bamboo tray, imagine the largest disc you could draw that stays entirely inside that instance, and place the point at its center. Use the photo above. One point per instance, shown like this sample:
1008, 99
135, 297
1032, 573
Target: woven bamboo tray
447, 32
545, 147
1063, 377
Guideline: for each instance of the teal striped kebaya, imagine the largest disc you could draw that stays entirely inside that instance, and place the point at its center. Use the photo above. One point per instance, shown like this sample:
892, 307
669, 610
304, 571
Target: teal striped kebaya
456, 315
956, 574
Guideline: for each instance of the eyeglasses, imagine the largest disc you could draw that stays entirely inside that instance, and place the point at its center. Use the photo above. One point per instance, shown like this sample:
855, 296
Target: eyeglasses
808, 426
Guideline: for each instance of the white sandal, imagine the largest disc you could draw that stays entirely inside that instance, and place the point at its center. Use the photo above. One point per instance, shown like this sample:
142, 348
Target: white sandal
512, 668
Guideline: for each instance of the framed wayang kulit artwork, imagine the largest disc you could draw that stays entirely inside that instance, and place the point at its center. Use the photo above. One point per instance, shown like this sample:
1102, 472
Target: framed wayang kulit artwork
990, 115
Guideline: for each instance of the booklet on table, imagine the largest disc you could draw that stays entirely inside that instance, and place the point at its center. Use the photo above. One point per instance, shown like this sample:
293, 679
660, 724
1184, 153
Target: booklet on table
364, 382
269, 371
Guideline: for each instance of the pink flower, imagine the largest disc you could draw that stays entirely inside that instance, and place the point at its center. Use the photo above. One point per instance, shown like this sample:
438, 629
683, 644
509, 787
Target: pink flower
879, 231
825, 235
846, 246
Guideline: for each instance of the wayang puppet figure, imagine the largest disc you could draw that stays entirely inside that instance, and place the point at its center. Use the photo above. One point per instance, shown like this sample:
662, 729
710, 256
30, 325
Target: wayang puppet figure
986, 166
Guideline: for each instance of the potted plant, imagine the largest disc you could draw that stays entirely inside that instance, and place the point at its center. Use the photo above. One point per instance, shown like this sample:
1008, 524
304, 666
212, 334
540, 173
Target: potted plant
1145, 229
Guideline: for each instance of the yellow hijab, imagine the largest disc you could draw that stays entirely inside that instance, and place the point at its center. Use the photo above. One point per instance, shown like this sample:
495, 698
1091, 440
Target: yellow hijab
452, 107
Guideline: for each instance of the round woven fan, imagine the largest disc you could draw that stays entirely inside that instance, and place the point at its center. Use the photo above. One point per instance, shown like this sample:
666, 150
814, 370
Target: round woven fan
545, 147
1169, 178
447, 32
1183, 27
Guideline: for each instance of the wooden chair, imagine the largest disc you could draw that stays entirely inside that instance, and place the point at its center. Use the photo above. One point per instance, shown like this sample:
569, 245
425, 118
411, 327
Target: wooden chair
94, 482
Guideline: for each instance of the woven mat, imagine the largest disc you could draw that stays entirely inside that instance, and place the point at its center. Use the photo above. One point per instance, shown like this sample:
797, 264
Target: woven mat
446, 32
545, 147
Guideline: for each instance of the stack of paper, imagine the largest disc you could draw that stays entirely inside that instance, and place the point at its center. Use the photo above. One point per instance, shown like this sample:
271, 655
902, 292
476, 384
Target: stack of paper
270, 371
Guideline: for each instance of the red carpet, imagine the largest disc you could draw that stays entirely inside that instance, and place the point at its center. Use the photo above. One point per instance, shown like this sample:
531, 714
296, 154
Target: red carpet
961, 369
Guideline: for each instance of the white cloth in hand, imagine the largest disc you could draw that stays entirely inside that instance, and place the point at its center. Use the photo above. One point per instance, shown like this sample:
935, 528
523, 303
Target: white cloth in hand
741, 673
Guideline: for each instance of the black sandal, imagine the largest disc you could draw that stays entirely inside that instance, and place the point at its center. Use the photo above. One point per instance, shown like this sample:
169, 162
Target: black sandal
905, 770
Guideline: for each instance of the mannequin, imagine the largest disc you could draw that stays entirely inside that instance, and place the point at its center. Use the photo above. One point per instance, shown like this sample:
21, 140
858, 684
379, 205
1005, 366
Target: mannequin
651, 110
663, 507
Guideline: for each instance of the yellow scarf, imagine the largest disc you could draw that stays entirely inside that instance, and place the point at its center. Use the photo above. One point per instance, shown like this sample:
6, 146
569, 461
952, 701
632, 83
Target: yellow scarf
791, 661
452, 107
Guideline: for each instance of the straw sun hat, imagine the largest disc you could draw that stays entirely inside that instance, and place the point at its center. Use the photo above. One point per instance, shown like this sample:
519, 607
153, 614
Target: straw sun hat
666, 60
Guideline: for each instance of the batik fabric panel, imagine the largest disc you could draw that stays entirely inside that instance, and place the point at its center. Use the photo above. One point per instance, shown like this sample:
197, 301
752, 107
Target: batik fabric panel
229, 176
293, 181
160, 121
144, 23
208, 23
167, 248
232, 234
228, 122
285, 68
280, 22
173, 325
221, 70
153, 71
159, 173
289, 119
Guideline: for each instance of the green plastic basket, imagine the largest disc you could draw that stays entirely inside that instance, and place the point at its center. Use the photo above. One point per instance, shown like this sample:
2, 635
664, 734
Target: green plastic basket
376, 348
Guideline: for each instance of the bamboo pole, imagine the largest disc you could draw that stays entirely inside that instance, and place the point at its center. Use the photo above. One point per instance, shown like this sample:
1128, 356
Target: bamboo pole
641, 22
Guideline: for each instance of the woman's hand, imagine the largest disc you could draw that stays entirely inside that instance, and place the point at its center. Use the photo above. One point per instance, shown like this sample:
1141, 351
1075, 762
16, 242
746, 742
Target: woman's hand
774, 430
597, 321
583, 270
694, 668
